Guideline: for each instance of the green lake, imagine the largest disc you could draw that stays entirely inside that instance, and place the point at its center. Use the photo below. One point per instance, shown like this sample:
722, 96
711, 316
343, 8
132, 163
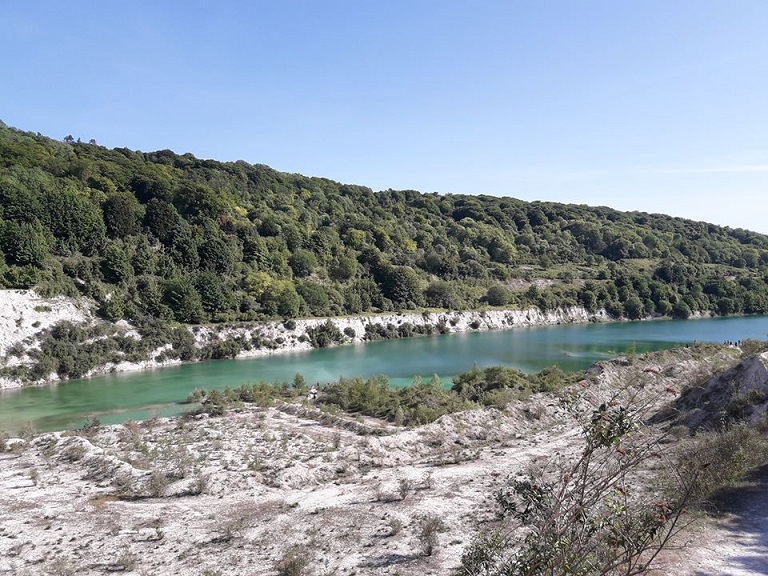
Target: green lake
136, 395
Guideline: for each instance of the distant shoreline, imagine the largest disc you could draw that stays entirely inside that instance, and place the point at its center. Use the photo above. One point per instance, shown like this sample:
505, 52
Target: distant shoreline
23, 314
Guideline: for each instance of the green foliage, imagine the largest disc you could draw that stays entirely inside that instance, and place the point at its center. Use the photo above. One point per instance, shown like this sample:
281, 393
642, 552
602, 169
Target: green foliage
302, 262
483, 386
23, 244
583, 515
122, 215
282, 300
72, 350
419, 403
116, 265
184, 300
161, 218
441, 294
215, 402
112, 309
78, 215
325, 335
315, 296
400, 284
713, 461
215, 297
498, 296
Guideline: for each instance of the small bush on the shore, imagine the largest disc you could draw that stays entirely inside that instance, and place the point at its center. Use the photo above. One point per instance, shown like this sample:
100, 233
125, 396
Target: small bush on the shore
420, 403
325, 335
391, 332
750, 347
487, 386
72, 350
222, 349
216, 402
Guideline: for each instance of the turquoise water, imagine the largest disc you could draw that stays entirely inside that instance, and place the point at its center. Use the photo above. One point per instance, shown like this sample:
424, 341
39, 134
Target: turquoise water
119, 397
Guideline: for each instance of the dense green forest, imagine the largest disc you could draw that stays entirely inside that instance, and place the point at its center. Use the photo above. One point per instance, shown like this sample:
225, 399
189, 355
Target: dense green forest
170, 236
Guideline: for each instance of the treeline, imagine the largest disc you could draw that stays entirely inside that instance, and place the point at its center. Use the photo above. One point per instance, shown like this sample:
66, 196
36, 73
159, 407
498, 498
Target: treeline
173, 237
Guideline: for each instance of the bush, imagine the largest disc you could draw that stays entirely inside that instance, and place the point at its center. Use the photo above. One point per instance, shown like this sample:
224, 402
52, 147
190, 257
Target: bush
583, 515
294, 562
498, 296
157, 484
428, 529
484, 385
716, 460
324, 335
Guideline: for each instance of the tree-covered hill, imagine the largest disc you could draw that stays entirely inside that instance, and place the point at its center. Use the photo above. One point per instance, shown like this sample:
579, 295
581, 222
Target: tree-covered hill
175, 237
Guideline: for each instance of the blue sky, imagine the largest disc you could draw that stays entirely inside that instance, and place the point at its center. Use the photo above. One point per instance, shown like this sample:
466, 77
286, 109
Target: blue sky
659, 105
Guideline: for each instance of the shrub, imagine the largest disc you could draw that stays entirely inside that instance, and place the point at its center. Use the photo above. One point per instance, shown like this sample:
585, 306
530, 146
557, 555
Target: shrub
324, 335
294, 562
716, 460
427, 533
582, 515
235, 520
395, 525
498, 296
750, 347
125, 561
405, 485
157, 484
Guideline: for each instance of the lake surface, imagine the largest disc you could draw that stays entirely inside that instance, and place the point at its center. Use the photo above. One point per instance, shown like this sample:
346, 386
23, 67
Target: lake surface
119, 397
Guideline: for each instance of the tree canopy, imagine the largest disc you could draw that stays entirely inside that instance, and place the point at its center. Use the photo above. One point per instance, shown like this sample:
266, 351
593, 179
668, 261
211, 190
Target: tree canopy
195, 240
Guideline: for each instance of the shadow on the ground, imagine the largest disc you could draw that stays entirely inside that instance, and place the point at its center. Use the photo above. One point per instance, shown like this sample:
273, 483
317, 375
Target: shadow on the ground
389, 560
745, 514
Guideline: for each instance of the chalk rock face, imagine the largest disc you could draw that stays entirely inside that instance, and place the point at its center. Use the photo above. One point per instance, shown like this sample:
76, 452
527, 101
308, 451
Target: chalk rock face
23, 313
739, 393
289, 338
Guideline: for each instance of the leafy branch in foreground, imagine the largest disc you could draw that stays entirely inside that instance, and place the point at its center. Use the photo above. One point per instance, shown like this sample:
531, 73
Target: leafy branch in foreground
584, 515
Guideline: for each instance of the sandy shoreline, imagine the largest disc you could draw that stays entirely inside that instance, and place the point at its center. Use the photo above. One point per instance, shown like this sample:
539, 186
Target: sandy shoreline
23, 314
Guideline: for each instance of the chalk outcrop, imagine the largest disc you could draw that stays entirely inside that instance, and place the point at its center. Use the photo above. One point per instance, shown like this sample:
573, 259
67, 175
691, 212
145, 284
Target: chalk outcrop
739, 393
24, 314
244, 490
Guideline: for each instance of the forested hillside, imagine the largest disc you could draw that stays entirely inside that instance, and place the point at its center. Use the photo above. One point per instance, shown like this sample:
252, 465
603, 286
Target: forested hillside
174, 237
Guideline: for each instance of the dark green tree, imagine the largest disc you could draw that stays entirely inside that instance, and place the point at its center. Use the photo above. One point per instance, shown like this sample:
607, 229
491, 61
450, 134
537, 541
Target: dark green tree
184, 300
303, 263
122, 215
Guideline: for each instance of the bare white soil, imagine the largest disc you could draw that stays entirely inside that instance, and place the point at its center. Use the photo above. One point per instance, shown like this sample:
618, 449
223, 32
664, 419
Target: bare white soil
733, 541
241, 493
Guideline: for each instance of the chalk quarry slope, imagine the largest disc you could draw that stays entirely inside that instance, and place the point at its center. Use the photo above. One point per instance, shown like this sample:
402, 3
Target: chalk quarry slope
24, 315
235, 495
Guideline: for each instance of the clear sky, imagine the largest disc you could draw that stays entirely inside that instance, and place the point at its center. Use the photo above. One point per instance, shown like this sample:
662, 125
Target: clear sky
653, 105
